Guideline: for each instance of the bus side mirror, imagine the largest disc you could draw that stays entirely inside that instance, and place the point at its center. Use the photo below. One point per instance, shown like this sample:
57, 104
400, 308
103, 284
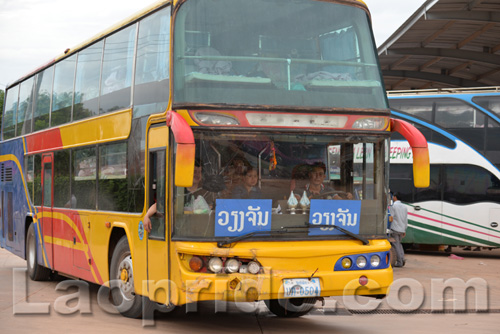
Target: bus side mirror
418, 144
185, 153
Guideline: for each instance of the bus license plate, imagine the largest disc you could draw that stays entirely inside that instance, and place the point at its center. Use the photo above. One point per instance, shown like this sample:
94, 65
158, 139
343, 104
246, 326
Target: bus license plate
302, 287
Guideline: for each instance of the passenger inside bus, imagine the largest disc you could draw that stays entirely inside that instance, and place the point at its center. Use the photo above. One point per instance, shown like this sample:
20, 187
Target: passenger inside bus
248, 189
197, 199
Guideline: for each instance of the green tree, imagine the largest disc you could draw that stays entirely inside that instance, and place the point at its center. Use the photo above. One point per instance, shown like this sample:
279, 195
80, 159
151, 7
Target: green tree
2, 94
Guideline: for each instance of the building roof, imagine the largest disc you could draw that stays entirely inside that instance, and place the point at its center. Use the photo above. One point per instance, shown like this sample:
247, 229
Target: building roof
445, 43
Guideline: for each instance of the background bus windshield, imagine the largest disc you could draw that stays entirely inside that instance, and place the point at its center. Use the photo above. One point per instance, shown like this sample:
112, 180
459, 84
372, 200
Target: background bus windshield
287, 53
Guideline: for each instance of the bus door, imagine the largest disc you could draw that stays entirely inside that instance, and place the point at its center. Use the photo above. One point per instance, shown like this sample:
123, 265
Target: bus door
45, 215
157, 240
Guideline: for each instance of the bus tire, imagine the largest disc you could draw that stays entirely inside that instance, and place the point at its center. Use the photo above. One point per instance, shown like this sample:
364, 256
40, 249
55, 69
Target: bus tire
121, 275
35, 271
290, 307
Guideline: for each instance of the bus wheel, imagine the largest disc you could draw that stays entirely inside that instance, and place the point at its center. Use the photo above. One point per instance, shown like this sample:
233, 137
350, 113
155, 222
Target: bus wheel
121, 276
290, 308
35, 271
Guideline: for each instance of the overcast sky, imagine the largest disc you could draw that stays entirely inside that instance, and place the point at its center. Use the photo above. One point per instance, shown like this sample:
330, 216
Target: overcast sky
32, 32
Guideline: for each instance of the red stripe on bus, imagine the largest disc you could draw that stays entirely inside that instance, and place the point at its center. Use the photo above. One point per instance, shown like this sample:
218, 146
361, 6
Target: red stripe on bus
44, 141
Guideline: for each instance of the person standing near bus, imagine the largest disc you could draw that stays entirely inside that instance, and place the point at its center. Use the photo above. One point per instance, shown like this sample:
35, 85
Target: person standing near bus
399, 214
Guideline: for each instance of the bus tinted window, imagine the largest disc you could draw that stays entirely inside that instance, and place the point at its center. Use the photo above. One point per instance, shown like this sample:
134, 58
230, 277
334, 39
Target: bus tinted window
492, 103
401, 181
43, 97
83, 183
470, 184
61, 180
88, 76
433, 192
62, 94
421, 108
37, 186
151, 92
9, 117
25, 110
117, 70
250, 52
113, 177
452, 113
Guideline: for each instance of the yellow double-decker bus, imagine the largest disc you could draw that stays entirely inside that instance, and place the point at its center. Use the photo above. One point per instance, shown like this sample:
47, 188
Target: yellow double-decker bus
208, 150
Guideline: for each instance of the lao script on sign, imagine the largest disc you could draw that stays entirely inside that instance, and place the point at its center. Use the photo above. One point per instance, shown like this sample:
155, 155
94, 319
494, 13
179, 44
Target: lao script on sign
342, 213
234, 217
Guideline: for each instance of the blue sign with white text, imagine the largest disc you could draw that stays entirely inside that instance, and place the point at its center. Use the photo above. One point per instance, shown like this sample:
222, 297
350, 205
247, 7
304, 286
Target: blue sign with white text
342, 213
234, 217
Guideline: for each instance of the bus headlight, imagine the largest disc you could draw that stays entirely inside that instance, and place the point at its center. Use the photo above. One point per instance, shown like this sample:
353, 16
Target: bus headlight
215, 119
215, 264
361, 262
375, 261
371, 123
232, 266
253, 267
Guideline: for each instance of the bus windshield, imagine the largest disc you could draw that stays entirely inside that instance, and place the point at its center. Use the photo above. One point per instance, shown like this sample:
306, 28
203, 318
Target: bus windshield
286, 176
240, 52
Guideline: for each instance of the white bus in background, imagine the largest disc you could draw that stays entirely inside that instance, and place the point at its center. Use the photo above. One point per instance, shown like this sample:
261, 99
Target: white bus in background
462, 205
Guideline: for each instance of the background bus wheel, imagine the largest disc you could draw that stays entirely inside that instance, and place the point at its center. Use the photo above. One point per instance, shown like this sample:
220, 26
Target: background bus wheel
35, 271
121, 275
290, 308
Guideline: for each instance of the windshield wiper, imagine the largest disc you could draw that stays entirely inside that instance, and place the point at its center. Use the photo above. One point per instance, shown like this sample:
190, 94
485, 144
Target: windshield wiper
283, 230
229, 241
349, 233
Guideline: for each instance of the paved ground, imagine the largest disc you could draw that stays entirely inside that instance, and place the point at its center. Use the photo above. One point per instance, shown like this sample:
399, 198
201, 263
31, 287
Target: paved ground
418, 288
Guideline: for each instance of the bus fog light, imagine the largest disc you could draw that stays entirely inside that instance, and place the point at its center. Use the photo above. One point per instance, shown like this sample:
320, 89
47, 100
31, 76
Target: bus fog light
232, 266
253, 267
361, 262
346, 263
375, 261
215, 264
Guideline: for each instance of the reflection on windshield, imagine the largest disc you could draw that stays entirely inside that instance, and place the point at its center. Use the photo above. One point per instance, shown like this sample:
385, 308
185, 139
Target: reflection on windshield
246, 183
301, 53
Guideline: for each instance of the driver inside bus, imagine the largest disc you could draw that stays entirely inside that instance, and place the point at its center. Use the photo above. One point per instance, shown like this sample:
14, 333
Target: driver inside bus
315, 188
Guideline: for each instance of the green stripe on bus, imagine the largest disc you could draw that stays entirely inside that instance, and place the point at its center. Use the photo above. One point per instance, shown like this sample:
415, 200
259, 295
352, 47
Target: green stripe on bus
452, 233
